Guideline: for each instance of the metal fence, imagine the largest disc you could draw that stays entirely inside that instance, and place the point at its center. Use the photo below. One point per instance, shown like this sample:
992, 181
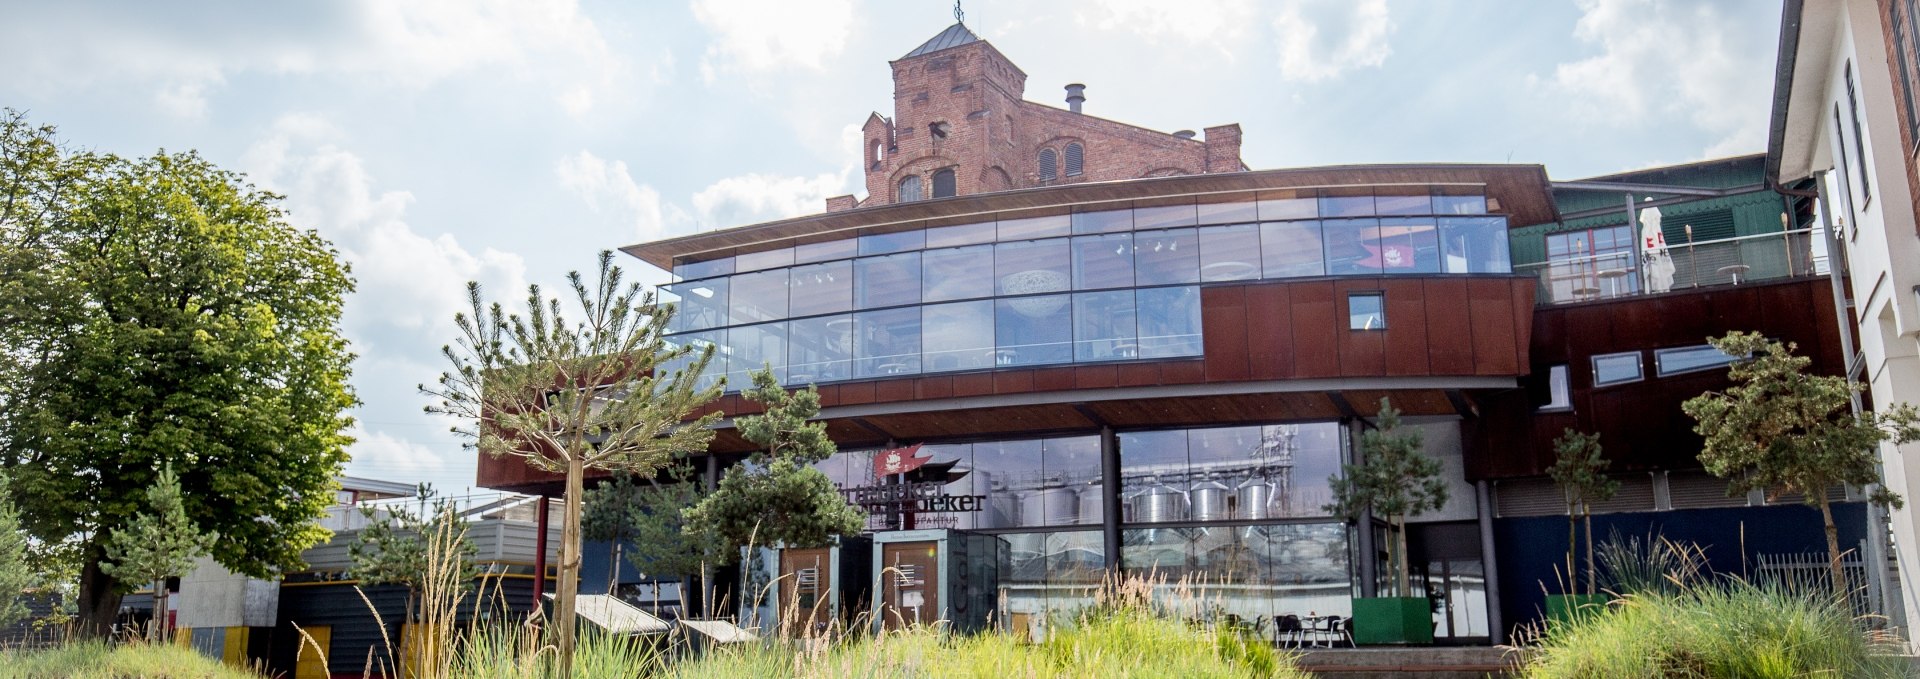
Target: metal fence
1728, 261
1810, 572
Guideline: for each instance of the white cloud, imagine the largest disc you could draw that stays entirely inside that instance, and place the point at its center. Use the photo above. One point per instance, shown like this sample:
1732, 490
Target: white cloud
1321, 39
381, 455
769, 35
1218, 23
608, 186
1662, 60
548, 43
753, 198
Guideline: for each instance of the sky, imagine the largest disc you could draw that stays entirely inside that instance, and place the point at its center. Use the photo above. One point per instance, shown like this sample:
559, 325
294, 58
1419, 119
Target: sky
436, 142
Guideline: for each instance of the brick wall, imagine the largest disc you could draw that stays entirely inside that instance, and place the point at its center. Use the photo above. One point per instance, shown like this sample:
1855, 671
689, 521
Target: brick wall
962, 109
1894, 12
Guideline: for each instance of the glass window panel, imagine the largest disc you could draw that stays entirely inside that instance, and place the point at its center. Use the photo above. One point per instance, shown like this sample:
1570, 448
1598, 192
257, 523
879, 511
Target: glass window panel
886, 243
1169, 322
1311, 567
961, 455
716, 367
943, 184
1032, 266
1223, 459
821, 289
1352, 246
1408, 246
886, 342
1164, 216
765, 259
1153, 476
957, 273
1228, 213
1403, 205
755, 347
1366, 311
1460, 205
820, 349
1029, 228
892, 280
1023, 586
1230, 253
1104, 326
1014, 474
960, 234
1166, 257
1103, 221
1475, 244
821, 252
1616, 368
1558, 394
1156, 554
1074, 464
699, 304
1033, 331
1292, 250
1103, 261
957, 336
1301, 458
686, 270
758, 296
1345, 206
1076, 569
1287, 209
1689, 359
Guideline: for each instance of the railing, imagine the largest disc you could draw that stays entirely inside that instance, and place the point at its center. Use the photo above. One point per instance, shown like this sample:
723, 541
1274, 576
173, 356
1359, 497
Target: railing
1812, 573
1728, 261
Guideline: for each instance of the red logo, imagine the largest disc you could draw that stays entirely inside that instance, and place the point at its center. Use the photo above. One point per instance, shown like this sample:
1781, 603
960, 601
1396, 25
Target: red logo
898, 460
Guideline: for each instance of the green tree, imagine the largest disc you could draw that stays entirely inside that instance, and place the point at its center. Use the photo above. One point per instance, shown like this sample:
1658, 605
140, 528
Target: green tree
185, 324
646, 515
425, 547
157, 544
778, 497
1581, 472
567, 394
1394, 480
16, 571
1781, 430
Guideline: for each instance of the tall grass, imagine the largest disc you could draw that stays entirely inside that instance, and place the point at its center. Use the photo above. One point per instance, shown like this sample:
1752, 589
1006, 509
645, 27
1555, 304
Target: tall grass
95, 660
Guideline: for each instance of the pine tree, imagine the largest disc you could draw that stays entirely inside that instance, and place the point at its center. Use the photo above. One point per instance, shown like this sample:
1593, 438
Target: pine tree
157, 544
16, 574
1581, 473
1395, 480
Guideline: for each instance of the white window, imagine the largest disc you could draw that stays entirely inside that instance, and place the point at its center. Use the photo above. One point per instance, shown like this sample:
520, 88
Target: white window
1558, 395
910, 189
1617, 368
1690, 359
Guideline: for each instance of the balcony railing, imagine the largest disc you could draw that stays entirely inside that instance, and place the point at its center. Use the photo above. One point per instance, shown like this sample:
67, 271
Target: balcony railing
1729, 261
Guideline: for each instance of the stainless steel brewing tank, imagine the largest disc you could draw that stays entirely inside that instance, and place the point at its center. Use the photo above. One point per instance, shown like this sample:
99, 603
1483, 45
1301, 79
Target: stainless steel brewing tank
1208, 501
1253, 500
1160, 504
1048, 507
1092, 503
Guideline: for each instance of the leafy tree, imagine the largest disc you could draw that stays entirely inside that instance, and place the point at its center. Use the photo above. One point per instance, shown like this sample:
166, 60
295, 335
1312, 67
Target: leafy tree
1581, 472
183, 323
1782, 430
426, 547
778, 497
16, 571
1395, 480
647, 515
569, 394
156, 545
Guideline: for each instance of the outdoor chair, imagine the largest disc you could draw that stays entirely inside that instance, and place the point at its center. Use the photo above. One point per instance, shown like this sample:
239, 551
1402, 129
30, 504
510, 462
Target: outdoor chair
1288, 632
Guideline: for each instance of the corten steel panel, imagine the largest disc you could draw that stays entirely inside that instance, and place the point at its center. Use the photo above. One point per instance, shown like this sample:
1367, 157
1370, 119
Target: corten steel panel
1640, 423
1315, 342
1053, 379
1523, 292
973, 384
829, 393
1362, 352
853, 393
887, 391
1183, 372
1137, 374
937, 386
1012, 381
1406, 335
1449, 333
1095, 376
1223, 328
1490, 308
1269, 332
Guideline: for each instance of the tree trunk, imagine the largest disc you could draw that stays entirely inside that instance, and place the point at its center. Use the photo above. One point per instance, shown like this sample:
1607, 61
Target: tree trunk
1573, 515
1400, 554
568, 587
1586, 515
99, 596
160, 611
1833, 547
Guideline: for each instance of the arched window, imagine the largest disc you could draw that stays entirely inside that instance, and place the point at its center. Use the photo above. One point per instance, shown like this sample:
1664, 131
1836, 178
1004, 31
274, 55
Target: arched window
943, 183
910, 189
1049, 167
879, 154
1074, 159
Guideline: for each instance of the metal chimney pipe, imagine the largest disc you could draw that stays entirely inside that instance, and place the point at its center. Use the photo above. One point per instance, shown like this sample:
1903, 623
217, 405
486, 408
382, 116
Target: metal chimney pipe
1076, 94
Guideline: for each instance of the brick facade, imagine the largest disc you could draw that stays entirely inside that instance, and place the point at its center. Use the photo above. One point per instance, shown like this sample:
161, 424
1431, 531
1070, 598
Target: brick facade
1899, 16
962, 109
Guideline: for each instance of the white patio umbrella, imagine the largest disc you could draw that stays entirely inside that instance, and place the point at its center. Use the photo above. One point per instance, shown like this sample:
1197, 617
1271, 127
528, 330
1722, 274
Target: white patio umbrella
1656, 264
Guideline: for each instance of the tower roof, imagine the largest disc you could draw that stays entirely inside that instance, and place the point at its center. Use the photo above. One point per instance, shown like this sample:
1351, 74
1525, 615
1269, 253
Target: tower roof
955, 36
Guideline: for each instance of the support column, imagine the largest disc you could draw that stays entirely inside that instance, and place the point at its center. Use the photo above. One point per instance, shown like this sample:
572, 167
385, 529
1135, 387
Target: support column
710, 479
1110, 498
1489, 561
1367, 568
540, 551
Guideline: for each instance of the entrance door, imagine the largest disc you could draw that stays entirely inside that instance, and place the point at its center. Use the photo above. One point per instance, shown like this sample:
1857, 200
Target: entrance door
803, 591
910, 585
1458, 588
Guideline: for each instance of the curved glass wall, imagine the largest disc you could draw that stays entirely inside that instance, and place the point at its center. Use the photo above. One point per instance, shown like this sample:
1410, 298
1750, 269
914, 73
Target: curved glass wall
1091, 286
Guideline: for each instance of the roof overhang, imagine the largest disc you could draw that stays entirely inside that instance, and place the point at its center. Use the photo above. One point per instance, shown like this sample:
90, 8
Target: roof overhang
1522, 192
1799, 89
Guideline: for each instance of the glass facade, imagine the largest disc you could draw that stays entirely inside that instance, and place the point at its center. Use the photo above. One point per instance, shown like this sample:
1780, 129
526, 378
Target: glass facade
1096, 285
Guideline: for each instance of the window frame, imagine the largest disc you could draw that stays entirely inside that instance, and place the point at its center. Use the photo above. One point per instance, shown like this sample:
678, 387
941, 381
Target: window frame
1660, 369
1559, 389
1049, 165
1381, 296
1639, 368
900, 190
1074, 160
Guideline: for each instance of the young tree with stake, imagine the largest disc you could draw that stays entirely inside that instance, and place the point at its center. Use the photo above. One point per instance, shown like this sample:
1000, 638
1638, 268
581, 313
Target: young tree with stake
1395, 481
570, 393
1782, 430
1581, 472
